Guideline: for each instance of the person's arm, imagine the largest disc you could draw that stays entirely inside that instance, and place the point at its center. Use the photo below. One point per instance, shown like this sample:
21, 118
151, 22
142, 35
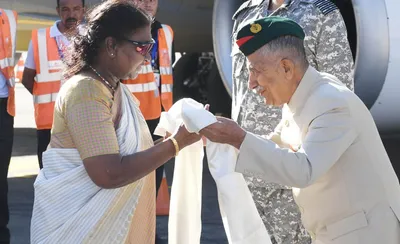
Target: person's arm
91, 127
333, 54
28, 76
328, 137
114, 170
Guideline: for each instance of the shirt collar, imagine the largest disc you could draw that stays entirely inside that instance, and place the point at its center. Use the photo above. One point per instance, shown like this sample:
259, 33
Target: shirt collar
54, 31
310, 78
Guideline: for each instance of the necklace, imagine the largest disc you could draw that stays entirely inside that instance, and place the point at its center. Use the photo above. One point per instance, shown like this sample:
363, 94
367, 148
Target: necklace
102, 78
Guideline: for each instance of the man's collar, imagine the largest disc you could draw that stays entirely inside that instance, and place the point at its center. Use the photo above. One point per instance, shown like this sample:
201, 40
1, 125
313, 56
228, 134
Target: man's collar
310, 78
54, 31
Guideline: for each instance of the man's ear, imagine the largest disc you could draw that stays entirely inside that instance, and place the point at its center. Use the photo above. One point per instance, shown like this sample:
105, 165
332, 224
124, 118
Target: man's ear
58, 11
288, 67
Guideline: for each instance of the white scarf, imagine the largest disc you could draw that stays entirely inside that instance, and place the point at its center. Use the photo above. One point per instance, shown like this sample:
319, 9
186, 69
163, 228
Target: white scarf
241, 220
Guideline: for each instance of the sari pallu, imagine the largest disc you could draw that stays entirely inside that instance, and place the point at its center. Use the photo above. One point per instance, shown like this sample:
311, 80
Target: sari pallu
70, 208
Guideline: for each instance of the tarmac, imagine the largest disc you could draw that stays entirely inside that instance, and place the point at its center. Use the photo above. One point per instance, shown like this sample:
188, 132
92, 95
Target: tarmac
24, 168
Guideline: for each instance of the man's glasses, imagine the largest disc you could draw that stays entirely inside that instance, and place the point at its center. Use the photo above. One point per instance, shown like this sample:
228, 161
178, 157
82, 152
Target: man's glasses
142, 47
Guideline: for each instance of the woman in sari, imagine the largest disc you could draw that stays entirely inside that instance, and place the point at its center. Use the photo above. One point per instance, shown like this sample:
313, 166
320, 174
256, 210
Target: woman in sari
97, 184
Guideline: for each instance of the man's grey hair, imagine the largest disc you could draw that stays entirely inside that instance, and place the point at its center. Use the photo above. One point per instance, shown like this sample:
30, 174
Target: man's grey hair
289, 47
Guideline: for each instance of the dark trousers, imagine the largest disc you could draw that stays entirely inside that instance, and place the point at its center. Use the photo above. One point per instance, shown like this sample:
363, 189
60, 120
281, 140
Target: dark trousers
152, 124
43, 140
6, 144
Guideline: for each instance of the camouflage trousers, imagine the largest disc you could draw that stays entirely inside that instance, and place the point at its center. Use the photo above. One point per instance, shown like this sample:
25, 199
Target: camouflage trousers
280, 215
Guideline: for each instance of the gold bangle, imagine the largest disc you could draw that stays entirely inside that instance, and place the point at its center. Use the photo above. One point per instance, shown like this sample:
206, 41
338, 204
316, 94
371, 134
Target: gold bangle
175, 145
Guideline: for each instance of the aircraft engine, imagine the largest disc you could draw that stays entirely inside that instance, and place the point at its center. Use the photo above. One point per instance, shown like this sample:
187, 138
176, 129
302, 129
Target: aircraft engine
373, 33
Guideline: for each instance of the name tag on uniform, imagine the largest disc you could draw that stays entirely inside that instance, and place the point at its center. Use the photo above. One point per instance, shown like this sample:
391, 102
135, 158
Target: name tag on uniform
57, 64
157, 78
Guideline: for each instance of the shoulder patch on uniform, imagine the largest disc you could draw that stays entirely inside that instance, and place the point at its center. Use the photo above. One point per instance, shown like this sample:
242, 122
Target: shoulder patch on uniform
325, 6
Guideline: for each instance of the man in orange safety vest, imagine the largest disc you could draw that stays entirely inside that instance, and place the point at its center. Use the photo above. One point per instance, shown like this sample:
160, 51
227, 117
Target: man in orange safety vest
42, 73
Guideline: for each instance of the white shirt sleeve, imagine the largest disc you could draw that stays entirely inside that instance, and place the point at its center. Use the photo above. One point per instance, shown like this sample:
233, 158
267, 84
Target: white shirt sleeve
30, 60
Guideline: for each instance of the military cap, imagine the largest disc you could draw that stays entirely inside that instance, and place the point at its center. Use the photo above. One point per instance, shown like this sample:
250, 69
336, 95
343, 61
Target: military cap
256, 34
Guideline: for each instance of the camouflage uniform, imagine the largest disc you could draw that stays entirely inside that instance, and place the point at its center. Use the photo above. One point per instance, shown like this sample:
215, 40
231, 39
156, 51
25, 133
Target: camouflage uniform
328, 51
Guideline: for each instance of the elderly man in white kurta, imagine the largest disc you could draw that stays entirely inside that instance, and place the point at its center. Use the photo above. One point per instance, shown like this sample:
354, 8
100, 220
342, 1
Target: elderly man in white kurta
327, 145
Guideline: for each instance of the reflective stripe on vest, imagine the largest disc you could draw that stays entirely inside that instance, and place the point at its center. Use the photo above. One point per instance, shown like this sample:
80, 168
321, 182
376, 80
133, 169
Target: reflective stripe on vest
49, 70
152, 86
19, 68
166, 88
46, 98
8, 32
48, 75
146, 68
144, 86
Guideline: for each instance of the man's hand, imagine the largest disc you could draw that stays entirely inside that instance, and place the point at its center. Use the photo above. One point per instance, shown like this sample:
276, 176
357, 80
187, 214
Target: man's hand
28, 79
225, 131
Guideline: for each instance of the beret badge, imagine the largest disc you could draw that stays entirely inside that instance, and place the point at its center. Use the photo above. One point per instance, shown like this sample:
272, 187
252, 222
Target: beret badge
255, 28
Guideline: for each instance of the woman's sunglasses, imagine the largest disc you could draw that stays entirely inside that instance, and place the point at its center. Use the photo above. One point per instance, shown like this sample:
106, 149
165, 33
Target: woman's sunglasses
142, 47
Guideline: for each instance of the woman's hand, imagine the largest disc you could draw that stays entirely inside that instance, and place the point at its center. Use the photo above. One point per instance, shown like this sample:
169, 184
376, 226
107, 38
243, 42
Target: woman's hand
184, 137
206, 107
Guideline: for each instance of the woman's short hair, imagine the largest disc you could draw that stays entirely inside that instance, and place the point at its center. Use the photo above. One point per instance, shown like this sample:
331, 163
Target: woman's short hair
112, 18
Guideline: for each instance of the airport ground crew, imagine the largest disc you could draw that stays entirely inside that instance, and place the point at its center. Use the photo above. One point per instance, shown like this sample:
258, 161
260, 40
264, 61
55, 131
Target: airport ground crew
328, 51
42, 73
8, 32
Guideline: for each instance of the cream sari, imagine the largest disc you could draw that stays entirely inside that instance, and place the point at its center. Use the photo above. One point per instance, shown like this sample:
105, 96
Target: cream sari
70, 208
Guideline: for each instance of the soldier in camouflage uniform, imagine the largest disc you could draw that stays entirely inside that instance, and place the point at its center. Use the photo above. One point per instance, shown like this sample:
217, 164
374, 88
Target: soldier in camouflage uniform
328, 51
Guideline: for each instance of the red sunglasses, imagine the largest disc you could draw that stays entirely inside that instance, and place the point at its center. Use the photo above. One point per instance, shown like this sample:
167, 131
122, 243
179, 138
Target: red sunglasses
142, 47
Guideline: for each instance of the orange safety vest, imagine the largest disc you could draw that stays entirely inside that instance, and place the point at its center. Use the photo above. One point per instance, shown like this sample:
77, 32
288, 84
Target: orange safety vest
19, 68
8, 31
144, 86
48, 77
